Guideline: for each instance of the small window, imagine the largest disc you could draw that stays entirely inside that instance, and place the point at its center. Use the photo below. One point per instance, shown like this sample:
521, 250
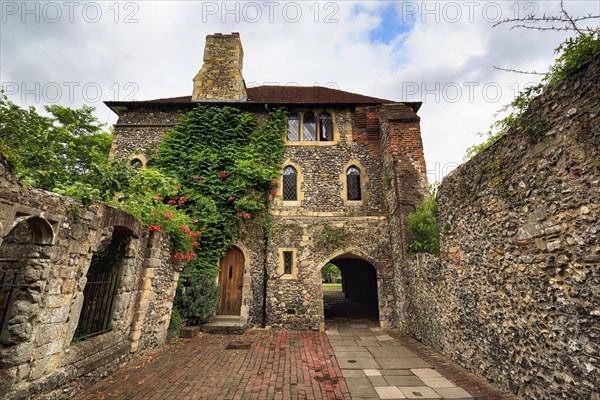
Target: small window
288, 259
353, 181
325, 127
136, 163
310, 127
293, 132
290, 184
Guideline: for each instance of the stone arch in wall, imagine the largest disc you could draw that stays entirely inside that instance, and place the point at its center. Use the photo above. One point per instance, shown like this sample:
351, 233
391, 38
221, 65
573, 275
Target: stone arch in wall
105, 297
360, 288
24, 271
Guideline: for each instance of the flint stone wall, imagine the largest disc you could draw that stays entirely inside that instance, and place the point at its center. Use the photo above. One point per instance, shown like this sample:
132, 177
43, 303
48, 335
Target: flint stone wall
515, 294
37, 354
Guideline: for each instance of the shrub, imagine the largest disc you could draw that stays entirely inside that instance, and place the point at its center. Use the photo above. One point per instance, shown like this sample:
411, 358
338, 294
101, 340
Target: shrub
424, 236
197, 295
174, 325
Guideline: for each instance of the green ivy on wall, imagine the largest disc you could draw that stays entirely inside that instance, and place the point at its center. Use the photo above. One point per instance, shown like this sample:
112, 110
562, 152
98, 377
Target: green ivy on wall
227, 161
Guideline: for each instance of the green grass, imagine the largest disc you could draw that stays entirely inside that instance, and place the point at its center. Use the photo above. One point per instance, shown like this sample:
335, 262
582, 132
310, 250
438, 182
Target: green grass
332, 286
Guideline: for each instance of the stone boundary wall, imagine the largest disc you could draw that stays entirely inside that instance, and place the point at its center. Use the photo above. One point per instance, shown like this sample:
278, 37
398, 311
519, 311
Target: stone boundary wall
37, 353
515, 294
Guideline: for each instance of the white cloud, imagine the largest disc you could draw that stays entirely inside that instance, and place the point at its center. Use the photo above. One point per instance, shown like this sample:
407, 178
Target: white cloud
160, 54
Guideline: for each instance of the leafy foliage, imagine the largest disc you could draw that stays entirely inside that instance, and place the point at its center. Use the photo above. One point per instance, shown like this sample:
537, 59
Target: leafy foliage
330, 273
67, 152
66, 148
573, 53
226, 162
331, 237
424, 236
197, 296
175, 325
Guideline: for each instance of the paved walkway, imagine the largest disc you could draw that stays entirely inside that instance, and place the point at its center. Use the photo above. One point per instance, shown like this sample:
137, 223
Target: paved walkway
353, 359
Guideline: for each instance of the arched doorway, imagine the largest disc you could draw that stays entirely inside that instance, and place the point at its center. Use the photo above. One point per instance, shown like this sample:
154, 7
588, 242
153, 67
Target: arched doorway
358, 296
231, 275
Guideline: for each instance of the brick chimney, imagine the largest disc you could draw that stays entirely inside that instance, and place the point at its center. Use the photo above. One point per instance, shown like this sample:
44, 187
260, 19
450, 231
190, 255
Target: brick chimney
220, 78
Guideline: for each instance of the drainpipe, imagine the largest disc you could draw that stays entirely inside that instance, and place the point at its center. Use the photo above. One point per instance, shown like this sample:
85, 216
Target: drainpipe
265, 264
265, 251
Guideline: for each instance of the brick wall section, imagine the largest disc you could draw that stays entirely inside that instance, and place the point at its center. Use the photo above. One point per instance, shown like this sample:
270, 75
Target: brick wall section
38, 354
367, 129
405, 166
515, 296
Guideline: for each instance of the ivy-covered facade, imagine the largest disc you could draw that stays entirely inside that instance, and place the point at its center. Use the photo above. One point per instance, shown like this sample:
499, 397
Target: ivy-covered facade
352, 168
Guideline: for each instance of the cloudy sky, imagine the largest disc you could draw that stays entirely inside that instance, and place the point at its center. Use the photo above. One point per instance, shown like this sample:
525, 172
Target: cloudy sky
439, 52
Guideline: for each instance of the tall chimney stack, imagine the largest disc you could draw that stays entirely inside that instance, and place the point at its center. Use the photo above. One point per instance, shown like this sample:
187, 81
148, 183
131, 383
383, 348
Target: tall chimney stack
220, 78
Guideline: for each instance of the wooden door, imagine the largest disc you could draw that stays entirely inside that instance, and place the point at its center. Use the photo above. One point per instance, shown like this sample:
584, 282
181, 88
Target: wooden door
230, 282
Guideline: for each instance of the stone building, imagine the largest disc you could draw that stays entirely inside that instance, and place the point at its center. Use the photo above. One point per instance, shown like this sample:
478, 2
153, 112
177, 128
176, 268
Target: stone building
353, 168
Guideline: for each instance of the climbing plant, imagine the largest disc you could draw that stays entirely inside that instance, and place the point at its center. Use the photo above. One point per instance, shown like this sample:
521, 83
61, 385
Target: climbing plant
571, 54
227, 162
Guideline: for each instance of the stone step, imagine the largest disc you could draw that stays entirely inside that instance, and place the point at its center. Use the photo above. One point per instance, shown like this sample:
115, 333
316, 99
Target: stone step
225, 324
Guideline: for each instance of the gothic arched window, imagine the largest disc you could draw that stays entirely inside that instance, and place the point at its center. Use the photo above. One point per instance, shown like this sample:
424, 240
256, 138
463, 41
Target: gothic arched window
353, 182
325, 127
290, 184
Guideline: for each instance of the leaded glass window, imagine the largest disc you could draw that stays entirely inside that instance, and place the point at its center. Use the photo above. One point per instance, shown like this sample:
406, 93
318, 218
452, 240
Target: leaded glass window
290, 184
293, 132
288, 259
310, 127
326, 127
353, 181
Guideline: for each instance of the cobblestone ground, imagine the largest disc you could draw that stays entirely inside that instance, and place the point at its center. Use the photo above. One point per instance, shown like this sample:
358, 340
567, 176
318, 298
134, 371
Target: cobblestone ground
283, 365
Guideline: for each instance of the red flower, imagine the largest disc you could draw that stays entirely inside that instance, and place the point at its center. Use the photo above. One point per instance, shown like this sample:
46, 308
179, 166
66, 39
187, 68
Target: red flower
274, 182
196, 220
202, 180
154, 228
231, 198
273, 192
172, 201
178, 187
257, 198
223, 174
168, 216
196, 177
182, 199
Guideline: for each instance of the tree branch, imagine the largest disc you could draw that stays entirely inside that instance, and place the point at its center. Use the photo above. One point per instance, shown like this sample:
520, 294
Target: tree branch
519, 72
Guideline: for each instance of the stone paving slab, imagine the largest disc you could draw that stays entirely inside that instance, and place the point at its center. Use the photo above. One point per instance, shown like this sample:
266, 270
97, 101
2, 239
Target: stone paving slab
403, 372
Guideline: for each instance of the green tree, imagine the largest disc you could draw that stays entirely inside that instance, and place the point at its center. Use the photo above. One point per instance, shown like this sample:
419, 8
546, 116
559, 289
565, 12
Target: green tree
330, 273
53, 151
423, 233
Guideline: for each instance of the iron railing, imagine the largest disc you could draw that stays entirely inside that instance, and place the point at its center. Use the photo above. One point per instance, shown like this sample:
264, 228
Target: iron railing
98, 300
8, 286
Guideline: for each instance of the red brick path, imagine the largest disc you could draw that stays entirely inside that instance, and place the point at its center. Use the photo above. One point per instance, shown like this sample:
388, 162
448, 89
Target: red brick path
284, 365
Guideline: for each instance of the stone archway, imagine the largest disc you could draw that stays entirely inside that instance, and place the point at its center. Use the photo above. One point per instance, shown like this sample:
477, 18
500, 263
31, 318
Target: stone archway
359, 297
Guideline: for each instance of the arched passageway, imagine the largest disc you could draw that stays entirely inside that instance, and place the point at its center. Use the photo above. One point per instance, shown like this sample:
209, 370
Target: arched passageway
357, 297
